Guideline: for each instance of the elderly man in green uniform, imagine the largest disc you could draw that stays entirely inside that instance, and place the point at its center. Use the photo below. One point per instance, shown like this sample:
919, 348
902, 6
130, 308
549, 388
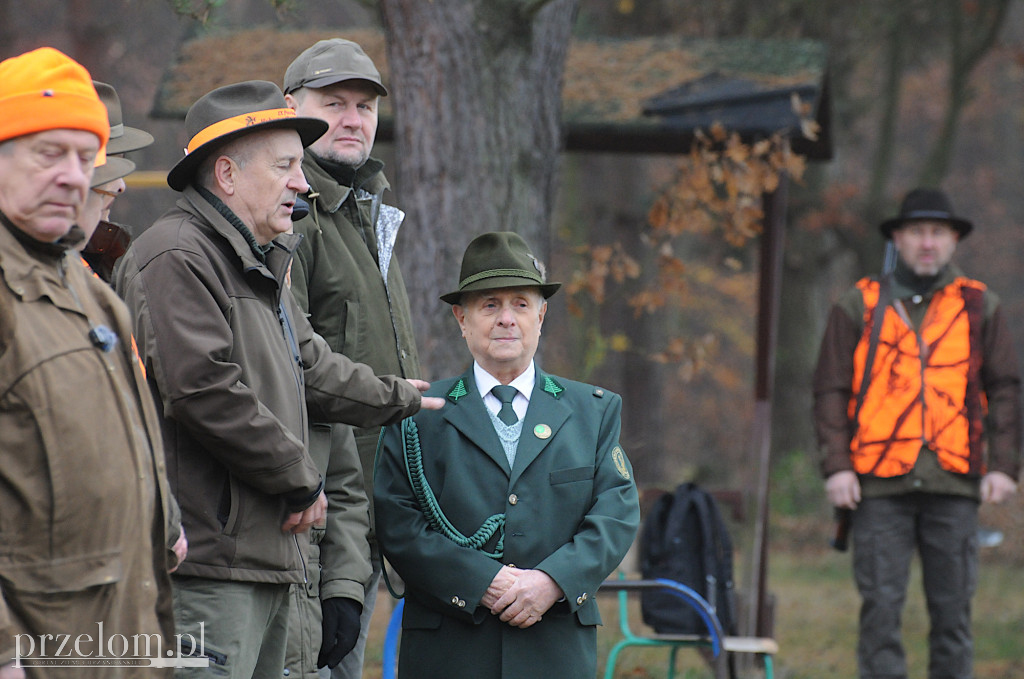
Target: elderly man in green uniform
504, 510
345, 276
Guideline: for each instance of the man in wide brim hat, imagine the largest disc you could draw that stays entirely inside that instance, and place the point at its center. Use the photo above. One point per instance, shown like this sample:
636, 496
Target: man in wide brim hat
926, 205
239, 370
122, 137
230, 112
917, 411
500, 259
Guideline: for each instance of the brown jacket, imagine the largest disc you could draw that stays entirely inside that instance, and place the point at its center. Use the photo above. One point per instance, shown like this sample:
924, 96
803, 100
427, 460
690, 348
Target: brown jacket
236, 364
83, 494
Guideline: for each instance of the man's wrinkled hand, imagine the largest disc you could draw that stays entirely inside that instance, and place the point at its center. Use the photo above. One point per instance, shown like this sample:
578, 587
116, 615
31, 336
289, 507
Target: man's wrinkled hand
315, 514
180, 550
503, 579
528, 599
427, 402
843, 489
997, 487
9, 671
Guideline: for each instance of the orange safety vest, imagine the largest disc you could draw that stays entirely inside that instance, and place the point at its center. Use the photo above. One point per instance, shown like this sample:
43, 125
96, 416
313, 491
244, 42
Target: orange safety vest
925, 387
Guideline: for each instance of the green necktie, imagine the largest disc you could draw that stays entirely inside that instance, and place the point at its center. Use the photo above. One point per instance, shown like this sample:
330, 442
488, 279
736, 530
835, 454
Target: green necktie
506, 394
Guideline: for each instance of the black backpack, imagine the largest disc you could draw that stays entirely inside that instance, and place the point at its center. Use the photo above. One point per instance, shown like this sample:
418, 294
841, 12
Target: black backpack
685, 539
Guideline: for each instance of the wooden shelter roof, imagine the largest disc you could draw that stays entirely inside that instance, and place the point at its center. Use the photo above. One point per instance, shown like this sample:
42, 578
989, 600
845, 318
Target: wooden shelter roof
643, 95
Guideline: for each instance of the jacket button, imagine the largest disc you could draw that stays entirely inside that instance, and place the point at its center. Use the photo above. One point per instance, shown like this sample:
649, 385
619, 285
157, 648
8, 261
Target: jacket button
513, 499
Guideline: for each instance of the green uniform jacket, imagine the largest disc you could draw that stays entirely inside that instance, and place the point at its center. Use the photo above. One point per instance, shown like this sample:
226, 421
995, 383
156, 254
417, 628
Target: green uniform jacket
571, 510
84, 504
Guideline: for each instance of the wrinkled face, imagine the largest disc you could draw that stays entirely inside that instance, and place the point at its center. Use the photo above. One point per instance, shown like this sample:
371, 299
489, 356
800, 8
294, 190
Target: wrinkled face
350, 109
97, 206
926, 245
502, 328
44, 179
262, 181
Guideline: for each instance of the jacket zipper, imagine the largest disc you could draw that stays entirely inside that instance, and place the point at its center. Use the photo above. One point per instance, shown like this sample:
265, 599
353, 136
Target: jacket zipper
293, 344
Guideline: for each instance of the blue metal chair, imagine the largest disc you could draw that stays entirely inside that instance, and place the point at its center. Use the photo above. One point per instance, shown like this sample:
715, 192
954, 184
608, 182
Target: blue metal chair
715, 639
389, 667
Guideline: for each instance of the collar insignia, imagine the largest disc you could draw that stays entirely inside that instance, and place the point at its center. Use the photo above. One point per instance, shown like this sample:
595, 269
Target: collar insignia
552, 387
457, 391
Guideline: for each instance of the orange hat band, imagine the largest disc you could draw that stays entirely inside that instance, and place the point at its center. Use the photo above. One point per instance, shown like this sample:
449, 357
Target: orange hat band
229, 125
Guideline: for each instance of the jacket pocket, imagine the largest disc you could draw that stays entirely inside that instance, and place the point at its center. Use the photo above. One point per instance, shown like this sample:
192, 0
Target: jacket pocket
228, 512
64, 575
589, 614
570, 475
349, 328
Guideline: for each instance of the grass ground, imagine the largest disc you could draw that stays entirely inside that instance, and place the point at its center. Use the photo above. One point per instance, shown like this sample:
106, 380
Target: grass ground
816, 611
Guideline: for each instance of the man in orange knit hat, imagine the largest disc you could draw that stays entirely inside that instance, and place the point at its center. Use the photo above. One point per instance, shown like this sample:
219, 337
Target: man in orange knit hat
83, 493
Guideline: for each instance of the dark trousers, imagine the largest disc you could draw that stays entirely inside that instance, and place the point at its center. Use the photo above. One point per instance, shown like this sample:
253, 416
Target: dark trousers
887, 531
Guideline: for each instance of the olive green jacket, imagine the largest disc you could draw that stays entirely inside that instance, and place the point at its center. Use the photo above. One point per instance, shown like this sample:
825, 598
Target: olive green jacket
337, 280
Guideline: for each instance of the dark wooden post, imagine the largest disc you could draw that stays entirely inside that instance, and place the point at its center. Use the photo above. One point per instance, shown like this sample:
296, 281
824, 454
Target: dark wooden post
759, 620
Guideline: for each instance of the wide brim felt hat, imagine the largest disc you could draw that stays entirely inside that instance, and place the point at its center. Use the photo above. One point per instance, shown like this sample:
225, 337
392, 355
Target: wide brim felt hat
499, 259
122, 138
926, 204
233, 111
113, 168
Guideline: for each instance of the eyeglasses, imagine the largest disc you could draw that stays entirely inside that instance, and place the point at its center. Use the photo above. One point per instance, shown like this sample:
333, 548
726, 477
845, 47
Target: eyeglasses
104, 192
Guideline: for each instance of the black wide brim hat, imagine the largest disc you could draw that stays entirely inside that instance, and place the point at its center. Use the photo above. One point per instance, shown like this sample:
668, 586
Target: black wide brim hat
930, 204
499, 259
230, 112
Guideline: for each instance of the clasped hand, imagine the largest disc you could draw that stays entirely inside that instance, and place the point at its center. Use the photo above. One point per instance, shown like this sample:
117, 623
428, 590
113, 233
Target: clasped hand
521, 597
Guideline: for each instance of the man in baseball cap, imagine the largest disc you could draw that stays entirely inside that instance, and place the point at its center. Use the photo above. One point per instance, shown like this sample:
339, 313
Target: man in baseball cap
82, 478
349, 229
236, 365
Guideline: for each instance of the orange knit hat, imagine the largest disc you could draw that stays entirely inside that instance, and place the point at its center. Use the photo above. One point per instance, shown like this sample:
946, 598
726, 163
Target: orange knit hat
46, 90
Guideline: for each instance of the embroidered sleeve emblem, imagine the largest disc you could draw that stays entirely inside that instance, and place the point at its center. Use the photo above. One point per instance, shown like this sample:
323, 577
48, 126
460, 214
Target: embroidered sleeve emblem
619, 458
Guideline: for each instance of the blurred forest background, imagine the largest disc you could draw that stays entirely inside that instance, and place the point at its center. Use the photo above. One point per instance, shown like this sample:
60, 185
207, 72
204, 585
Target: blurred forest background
922, 92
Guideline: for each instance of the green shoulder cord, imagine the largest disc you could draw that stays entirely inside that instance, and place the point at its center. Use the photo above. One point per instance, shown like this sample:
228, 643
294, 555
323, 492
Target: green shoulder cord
413, 455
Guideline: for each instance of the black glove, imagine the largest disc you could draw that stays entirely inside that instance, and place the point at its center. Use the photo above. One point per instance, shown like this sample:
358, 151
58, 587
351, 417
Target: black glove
341, 630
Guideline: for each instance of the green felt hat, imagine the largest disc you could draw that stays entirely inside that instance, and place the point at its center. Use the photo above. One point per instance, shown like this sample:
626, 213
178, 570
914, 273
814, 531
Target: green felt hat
499, 259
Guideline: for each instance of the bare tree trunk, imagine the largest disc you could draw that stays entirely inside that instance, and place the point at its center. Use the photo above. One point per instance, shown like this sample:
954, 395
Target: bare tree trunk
973, 33
477, 96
